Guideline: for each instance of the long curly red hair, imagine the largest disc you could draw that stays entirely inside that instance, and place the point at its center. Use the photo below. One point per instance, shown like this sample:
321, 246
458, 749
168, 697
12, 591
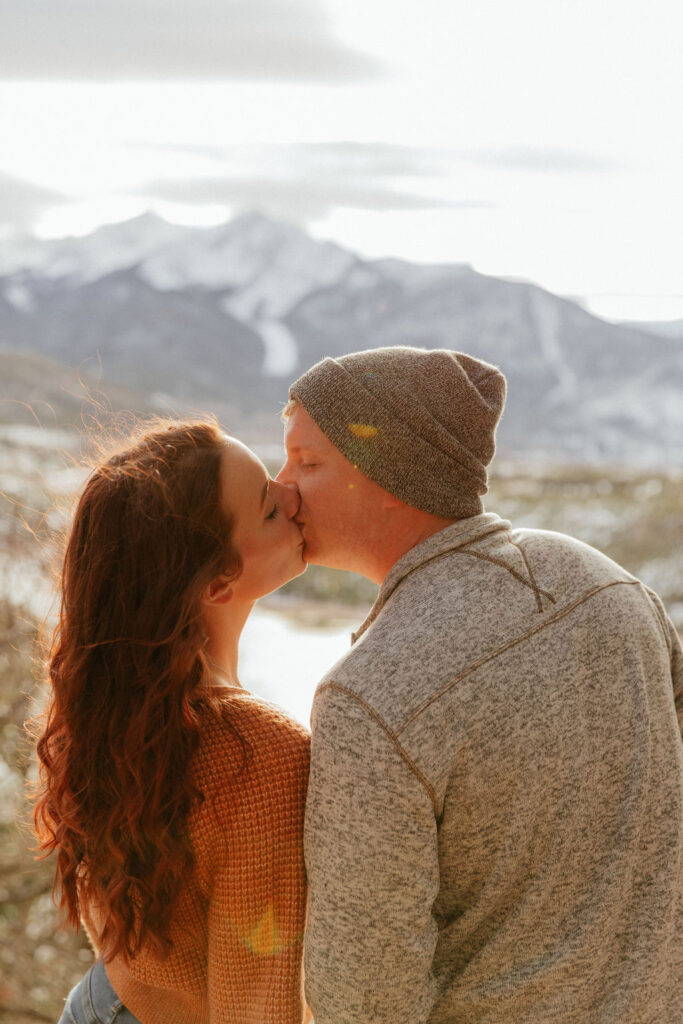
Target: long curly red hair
129, 682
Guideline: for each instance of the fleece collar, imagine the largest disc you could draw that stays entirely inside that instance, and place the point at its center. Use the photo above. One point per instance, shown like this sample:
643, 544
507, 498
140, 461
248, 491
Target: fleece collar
457, 535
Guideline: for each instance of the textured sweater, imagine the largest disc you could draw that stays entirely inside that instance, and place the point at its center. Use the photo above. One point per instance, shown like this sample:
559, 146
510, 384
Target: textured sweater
494, 827
238, 927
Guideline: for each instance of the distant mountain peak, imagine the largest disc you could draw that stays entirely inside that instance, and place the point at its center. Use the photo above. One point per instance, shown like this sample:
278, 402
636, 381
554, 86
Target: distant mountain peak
252, 217
231, 312
140, 222
267, 265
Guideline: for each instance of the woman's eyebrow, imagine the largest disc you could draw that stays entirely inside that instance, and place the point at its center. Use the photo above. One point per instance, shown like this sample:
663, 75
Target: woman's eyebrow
264, 494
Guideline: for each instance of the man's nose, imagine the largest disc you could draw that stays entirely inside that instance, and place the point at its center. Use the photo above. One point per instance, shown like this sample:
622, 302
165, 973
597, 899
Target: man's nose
291, 498
284, 476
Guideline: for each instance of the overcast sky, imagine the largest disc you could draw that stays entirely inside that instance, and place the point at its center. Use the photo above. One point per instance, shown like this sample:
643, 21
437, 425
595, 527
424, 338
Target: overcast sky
538, 139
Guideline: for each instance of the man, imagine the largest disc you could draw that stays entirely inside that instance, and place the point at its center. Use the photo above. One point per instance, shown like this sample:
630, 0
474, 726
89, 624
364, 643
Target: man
494, 828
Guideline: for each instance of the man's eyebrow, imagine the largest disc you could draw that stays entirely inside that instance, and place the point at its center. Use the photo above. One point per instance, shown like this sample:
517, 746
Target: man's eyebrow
294, 448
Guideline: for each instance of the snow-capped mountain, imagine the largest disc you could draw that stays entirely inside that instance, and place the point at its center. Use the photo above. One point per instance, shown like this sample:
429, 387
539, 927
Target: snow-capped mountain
228, 315
76, 260
261, 268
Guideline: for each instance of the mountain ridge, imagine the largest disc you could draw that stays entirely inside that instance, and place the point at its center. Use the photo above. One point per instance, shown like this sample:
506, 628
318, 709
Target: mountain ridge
229, 315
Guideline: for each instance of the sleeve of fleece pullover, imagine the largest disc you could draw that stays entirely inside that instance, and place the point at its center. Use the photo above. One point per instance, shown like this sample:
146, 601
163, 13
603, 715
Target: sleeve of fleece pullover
673, 641
677, 673
370, 842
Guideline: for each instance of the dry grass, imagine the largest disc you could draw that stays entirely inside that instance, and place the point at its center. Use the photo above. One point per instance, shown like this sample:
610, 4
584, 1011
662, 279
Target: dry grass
39, 962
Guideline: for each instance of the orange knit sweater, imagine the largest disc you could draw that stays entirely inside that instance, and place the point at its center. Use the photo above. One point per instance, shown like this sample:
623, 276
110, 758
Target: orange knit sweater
238, 927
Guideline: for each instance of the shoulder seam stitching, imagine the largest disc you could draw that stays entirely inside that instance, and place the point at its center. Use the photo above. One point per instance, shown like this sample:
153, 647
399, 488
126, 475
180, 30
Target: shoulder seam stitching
511, 643
390, 733
377, 608
537, 590
513, 572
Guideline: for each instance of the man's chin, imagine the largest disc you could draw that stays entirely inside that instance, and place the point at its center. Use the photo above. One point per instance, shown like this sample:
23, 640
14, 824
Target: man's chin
309, 556
312, 555
313, 558
306, 551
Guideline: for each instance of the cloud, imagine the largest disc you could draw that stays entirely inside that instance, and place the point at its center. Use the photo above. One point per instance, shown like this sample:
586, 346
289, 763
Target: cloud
361, 159
305, 182
296, 199
342, 159
377, 159
544, 159
21, 202
434, 161
116, 40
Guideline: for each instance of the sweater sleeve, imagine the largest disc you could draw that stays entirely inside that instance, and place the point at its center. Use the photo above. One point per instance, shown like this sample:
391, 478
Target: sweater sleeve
372, 863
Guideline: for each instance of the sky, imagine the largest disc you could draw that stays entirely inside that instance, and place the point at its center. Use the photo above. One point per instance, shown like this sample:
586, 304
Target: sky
537, 140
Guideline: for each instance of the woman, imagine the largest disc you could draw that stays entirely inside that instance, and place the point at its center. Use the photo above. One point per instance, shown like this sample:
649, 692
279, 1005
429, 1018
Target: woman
173, 798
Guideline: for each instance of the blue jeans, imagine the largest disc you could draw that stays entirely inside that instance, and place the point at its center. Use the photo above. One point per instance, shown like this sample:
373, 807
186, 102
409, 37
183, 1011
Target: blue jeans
93, 1001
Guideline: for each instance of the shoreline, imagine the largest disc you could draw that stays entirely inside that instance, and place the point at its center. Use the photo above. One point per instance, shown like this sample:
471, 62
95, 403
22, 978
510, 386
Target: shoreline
314, 612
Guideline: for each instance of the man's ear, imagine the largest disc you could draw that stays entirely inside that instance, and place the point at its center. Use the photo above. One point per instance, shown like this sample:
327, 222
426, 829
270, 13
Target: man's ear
219, 591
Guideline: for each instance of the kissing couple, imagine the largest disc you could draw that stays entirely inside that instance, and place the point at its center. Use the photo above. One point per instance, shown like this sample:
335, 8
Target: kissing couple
486, 824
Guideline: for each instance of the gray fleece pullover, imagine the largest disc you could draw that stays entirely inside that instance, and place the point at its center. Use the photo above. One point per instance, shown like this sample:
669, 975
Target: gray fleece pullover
494, 828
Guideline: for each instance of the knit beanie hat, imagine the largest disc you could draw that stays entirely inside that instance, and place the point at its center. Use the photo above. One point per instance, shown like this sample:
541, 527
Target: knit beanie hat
419, 423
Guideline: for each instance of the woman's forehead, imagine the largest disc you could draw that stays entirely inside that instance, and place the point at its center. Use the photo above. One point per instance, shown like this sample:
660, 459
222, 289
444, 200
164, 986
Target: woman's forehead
244, 478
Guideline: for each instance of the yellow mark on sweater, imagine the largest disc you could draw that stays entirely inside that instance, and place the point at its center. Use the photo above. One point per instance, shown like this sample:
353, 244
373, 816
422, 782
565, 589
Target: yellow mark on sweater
265, 939
362, 430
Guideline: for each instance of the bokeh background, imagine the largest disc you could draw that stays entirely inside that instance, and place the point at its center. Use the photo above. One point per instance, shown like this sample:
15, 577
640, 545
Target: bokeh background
199, 200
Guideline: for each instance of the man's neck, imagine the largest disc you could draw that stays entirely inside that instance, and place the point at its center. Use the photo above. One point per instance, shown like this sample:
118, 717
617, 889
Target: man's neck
413, 530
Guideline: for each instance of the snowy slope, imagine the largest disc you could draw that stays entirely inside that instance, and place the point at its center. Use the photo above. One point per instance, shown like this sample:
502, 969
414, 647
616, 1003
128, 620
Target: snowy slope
76, 260
262, 268
268, 266
231, 314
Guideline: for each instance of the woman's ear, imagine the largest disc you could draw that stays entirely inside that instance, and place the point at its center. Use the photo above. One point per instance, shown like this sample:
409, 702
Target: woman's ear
219, 591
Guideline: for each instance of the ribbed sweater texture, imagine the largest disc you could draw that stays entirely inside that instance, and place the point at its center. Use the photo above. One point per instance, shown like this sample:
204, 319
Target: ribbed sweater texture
238, 927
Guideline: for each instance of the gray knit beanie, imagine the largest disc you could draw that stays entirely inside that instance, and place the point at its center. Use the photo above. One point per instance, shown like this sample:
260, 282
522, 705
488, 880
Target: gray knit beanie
419, 423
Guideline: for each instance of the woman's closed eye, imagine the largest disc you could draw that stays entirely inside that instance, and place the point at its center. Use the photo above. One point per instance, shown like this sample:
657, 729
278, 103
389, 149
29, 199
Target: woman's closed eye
274, 513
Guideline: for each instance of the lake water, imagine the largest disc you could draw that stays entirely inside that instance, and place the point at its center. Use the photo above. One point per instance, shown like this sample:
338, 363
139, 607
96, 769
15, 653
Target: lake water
282, 659
282, 654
